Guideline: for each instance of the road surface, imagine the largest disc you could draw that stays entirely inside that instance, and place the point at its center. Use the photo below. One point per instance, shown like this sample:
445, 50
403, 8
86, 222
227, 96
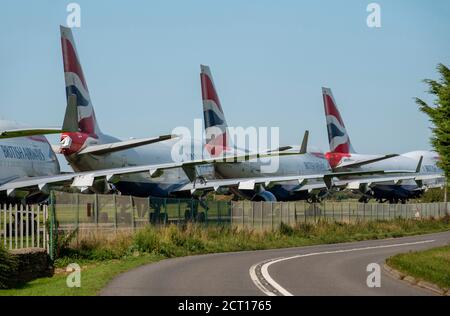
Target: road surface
338, 269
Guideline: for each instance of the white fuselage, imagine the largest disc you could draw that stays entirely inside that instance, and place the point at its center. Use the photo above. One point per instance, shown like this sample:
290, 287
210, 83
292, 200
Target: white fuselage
24, 157
407, 162
160, 153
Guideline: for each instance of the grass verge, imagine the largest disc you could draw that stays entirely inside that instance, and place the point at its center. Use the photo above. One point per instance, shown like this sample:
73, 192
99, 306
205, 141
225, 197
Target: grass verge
431, 265
103, 256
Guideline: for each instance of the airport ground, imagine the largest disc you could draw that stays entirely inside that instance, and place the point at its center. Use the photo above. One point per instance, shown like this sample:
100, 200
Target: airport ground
102, 259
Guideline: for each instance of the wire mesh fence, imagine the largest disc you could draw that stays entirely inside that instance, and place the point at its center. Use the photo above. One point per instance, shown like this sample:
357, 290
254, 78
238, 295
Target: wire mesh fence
269, 215
67, 213
113, 212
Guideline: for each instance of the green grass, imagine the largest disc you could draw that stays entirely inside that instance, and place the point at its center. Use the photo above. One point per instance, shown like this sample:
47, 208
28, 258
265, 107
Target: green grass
94, 277
102, 256
431, 265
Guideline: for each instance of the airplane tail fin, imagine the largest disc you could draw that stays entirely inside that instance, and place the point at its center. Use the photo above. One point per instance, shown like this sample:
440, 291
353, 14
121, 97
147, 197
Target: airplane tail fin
217, 138
76, 86
338, 137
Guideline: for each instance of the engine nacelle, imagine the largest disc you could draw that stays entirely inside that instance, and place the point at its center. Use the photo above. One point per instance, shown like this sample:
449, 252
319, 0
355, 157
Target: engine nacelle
264, 196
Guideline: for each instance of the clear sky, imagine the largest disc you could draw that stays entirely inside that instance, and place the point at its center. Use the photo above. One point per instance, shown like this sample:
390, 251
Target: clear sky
269, 60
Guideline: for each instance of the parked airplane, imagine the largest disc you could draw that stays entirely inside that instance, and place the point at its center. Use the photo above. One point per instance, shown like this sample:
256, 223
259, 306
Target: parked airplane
343, 157
24, 152
307, 165
219, 141
89, 149
103, 163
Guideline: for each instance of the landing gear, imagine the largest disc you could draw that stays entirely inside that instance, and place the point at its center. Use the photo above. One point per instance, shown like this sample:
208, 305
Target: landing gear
364, 199
314, 199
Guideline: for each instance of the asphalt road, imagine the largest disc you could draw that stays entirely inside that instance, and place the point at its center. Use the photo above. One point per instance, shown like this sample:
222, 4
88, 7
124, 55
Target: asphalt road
318, 270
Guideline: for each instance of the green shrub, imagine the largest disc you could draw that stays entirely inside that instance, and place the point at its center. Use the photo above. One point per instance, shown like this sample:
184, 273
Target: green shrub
147, 240
8, 268
286, 230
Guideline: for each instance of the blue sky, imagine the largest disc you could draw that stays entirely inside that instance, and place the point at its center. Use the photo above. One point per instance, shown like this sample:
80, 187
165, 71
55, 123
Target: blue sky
269, 60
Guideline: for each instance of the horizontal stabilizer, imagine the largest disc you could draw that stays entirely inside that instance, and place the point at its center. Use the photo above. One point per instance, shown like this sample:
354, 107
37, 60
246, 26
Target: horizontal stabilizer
359, 163
127, 144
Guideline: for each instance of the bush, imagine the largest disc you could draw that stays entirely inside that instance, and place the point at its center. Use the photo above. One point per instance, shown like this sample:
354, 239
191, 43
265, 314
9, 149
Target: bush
433, 195
147, 240
8, 268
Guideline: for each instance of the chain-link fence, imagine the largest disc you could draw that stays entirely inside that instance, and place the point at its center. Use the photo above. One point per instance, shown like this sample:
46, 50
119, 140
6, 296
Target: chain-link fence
83, 212
112, 212
269, 215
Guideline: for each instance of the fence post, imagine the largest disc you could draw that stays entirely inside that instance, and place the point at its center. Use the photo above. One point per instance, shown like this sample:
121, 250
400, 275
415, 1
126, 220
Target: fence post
253, 215
179, 212
243, 214
206, 212
45, 227
132, 213
364, 212
5, 210
304, 212
166, 216
77, 201
32, 223
115, 211
271, 217
53, 237
96, 214
27, 226
218, 212
20, 218
349, 212
38, 231
16, 241
10, 226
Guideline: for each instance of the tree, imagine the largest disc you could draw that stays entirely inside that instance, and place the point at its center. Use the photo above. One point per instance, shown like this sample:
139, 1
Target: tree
439, 115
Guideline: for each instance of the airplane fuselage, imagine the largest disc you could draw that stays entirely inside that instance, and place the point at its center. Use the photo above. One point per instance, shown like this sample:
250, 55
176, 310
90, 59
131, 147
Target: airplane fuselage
407, 162
143, 184
24, 157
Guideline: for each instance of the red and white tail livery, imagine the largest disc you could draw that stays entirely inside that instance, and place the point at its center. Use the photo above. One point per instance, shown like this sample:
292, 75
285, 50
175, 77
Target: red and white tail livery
76, 85
338, 137
217, 139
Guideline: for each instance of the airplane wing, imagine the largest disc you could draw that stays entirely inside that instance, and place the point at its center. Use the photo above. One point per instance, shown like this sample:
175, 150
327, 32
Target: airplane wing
86, 179
302, 182
355, 184
359, 163
23, 132
249, 183
127, 144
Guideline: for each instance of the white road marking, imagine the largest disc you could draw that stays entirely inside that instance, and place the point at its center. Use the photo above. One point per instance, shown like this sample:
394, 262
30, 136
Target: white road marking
265, 276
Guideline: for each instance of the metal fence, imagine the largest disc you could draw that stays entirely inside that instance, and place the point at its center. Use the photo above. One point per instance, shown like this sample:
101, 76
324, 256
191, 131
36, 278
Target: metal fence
41, 225
114, 212
24, 226
269, 215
